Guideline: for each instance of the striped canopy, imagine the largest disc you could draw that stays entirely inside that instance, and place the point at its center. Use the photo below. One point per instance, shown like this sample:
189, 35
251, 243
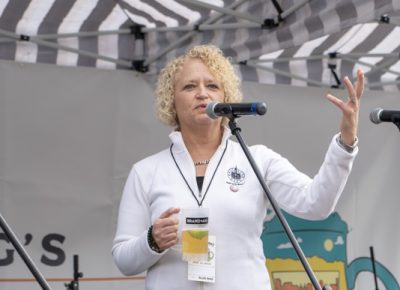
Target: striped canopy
295, 42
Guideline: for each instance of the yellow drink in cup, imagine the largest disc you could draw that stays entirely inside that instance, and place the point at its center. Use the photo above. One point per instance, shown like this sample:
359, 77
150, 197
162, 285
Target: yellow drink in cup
193, 232
195, 244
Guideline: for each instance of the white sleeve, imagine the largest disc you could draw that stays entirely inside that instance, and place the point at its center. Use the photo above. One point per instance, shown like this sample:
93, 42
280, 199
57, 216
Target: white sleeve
309, 198
130, 250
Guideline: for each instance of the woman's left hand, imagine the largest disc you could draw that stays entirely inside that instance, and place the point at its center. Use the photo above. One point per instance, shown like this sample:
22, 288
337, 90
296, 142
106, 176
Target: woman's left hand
350, 108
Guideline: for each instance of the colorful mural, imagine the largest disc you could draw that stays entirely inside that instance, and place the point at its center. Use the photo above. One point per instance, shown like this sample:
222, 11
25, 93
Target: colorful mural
324, 243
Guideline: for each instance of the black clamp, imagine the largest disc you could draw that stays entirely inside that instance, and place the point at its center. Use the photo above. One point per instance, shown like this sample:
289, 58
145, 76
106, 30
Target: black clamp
270, 23
332, 55
196, 28
136, 30
332, 67
23, 37
138, 65
385, 18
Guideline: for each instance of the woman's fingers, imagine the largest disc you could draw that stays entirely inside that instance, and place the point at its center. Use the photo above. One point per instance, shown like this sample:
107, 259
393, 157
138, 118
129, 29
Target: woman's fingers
165, 229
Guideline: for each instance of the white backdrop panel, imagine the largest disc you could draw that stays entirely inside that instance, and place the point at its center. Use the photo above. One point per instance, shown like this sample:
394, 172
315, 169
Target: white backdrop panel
68, 137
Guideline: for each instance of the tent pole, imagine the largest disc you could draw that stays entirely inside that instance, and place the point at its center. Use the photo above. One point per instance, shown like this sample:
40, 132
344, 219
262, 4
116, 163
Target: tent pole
79, 34
382, 66
34, 39
204, 27
83, 34
381, 84
289, 75
287, 59
395, 20
355, 54
345, 58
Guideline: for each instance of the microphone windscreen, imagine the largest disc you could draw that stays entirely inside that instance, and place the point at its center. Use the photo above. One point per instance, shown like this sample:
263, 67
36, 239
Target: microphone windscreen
374, 116
210, 110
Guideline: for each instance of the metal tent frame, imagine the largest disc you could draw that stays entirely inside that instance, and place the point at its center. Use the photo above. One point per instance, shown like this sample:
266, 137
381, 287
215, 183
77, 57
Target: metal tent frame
142, 60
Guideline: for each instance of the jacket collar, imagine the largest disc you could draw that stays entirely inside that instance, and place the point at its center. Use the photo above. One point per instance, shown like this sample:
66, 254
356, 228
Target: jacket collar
179, 145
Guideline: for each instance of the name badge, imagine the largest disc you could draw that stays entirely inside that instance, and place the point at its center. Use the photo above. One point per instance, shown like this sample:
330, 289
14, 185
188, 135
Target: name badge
204, 271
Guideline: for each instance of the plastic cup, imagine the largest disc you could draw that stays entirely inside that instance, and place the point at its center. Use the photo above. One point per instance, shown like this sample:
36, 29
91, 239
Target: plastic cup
194, 237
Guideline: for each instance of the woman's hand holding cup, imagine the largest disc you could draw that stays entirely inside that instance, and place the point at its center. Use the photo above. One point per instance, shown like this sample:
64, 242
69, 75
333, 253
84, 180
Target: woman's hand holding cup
165, 229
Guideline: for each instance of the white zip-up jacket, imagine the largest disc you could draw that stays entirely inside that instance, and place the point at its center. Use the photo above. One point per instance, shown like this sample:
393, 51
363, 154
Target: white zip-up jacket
237, 207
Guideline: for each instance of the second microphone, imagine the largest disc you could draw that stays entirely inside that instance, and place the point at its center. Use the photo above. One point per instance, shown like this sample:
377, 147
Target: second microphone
215, 110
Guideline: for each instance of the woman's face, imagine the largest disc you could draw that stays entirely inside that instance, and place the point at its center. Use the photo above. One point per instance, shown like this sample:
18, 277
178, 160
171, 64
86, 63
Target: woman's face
194, 88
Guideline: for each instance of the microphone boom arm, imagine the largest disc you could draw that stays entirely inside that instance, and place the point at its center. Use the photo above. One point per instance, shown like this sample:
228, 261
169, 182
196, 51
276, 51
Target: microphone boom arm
23, 254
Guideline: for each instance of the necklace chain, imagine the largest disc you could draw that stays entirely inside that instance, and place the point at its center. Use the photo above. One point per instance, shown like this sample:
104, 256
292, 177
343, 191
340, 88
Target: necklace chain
202, 162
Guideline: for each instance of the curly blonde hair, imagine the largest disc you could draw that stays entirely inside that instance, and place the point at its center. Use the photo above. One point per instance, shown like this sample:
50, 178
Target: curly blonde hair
219, 66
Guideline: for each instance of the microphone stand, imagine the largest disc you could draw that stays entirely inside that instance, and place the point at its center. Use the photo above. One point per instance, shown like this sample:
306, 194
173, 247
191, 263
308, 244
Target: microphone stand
236, 131
23, 254
371, 250
74, 284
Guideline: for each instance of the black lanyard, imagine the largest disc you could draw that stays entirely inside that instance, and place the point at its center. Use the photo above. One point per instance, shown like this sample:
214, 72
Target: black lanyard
215, 171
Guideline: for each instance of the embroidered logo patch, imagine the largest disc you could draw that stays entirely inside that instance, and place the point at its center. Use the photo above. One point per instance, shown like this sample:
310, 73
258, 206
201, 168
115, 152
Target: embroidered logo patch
236, 177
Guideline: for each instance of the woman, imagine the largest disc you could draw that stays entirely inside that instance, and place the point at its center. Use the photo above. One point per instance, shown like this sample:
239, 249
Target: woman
196, 171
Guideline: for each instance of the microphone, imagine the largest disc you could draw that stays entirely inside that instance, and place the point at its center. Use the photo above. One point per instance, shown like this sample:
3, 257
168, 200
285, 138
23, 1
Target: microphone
380, 115
215, 110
